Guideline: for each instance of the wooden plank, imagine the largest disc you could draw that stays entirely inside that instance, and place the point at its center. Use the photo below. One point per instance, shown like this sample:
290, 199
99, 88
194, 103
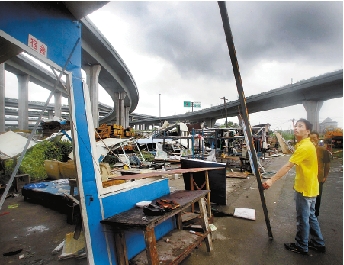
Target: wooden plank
121, 248
205, 224
151, 250
133, 217
242, 175
189, 216
168, 172
179, 222
173, 247
208, 195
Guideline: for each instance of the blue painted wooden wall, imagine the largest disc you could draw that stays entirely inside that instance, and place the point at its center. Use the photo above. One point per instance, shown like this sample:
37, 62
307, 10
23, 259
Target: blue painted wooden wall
54, 25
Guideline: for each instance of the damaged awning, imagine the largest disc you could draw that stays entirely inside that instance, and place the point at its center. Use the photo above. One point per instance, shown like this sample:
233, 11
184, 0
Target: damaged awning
12, 144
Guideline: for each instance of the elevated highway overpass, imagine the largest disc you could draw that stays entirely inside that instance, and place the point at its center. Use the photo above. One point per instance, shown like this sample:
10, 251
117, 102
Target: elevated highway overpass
101, 63
316, 89
311, 93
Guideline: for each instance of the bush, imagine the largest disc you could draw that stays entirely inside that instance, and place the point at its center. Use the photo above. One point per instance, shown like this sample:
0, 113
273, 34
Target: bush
33, 161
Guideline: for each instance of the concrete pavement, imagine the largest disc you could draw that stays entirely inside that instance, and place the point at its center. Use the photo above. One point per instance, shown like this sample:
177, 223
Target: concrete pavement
244, 242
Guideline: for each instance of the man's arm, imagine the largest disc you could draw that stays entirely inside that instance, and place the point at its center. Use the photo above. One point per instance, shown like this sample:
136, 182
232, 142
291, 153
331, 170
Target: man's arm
280, 173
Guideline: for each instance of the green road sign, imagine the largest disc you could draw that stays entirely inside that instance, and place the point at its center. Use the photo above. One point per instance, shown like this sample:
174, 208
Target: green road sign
187, 104
197, 104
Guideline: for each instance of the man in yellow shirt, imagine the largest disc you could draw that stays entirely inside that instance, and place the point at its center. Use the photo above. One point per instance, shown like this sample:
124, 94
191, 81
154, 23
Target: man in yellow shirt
323, 167
306, 188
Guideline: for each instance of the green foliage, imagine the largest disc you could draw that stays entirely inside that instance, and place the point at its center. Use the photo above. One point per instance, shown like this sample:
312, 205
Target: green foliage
33, 161
110, 159
337, 153
287, 135
65, 148
230, 124
147, 156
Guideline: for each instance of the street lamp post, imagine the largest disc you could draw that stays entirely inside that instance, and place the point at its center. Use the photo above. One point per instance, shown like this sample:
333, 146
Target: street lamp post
224, 104
159, 106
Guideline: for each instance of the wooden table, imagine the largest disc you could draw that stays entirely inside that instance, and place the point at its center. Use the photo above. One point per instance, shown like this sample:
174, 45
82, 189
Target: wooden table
136, 219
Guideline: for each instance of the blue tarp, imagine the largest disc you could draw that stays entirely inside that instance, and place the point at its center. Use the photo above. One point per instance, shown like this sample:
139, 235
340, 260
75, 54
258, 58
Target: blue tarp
56, 187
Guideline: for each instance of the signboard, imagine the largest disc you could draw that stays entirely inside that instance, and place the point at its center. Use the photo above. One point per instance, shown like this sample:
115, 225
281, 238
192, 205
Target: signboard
37, 45
189, 104
197, 104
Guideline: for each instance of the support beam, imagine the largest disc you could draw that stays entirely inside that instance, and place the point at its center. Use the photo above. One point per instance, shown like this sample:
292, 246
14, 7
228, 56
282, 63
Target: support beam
313, 108
119, 105
92, 73
210, 122
23, 93
2, 98
51, 114
58, 104
126, 116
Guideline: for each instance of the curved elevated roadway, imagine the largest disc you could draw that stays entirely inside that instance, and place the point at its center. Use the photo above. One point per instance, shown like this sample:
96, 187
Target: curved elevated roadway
320, 88
114, 75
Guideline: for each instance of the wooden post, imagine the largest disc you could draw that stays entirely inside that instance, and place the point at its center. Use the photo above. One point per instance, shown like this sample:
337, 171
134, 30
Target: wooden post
192, 188
121, 248
151, 251
205, 224
244, 111
208, 195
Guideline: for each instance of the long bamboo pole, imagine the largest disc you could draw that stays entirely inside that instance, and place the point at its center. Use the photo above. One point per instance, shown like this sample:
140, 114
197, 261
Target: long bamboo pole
244, 111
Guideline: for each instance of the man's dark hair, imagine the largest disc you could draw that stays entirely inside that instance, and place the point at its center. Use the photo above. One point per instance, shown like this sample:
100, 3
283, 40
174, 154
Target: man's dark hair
309, 126
315, 132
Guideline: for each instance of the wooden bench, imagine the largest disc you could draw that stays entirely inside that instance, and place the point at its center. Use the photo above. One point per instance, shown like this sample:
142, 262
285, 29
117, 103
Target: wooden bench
136, 219
157, 173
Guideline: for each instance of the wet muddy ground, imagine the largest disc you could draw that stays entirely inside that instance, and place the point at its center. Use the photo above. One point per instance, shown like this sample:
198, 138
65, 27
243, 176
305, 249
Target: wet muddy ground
34, 230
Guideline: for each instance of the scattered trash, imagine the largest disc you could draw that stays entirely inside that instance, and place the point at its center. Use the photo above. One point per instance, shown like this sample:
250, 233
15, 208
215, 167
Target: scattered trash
12, 206
73, 248
4, 213
58, 248
212, 227
21, 256
245, 213
196, 233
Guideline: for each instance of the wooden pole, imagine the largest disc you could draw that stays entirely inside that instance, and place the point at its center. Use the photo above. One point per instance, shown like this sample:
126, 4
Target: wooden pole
244, 111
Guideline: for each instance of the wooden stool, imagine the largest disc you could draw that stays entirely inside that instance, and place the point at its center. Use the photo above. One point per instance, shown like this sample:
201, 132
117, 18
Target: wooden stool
23, 178
72, 185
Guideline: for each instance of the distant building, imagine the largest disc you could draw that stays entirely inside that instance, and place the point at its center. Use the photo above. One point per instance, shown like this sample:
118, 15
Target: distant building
327, 123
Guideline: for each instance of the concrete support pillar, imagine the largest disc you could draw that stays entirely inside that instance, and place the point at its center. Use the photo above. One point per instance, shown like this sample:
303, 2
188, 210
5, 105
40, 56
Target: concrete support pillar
120, 112
210, 123
23, 93
126, 116
92, 73
50, 114
313, 108
2, 98
58, 104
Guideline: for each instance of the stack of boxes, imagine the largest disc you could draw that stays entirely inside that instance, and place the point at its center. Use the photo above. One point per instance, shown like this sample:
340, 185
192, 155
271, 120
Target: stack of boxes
115, 130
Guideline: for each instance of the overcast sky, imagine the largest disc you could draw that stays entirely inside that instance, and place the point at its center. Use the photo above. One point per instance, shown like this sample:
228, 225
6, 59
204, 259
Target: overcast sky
178, 50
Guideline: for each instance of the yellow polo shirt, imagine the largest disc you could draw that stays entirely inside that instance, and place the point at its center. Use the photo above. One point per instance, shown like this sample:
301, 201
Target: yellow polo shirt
305, 159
